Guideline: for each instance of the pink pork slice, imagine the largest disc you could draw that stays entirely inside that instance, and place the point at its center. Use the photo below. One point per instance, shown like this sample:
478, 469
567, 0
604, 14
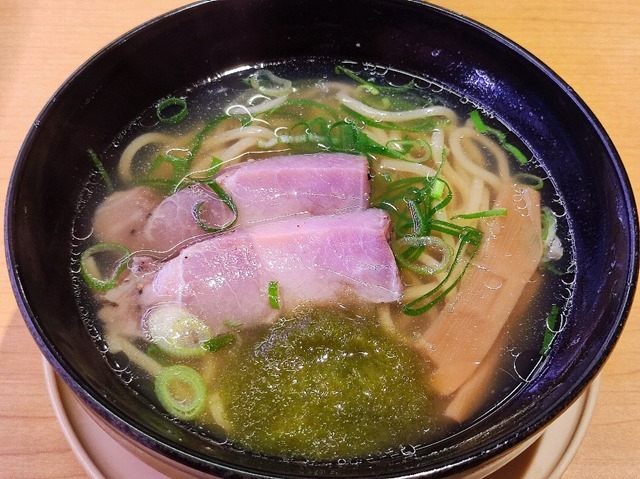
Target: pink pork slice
315, 184
315, 259
262, 190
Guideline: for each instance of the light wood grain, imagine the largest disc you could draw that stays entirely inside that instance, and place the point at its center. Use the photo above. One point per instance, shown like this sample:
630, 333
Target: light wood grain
593, 45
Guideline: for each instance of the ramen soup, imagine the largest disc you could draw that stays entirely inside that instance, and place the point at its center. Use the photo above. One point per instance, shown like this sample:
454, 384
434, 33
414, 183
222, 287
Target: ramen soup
325, 266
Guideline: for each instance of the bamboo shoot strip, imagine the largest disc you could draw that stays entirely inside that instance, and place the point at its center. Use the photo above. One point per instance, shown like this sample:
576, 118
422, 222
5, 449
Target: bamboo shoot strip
466, 329
469, 397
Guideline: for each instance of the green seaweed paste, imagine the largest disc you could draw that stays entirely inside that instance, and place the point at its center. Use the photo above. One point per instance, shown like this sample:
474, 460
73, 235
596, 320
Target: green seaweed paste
322, 385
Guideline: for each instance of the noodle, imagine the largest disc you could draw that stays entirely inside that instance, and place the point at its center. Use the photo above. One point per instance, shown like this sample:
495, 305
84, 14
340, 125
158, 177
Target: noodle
397, 116
129, 153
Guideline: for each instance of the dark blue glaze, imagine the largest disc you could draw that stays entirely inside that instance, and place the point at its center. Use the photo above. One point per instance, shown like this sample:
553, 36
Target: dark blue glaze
172, 52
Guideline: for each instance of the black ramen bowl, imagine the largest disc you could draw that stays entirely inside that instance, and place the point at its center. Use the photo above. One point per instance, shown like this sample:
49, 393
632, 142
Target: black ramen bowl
199, 41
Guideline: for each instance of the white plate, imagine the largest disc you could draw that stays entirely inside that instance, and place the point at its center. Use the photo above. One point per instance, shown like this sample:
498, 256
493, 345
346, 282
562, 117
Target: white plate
104, 458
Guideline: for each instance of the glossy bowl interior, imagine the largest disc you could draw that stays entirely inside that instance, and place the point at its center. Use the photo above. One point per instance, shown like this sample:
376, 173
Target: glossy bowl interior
186, 46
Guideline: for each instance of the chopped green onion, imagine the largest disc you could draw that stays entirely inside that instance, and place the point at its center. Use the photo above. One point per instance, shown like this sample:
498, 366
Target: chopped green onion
469, 239
158, 354
200, 176
390, 98
181, 391
412, 204
176, 331
478, 123
273, 292
206, 174
530, 180
482, 214
370, 87
481, 127
226, 199
196, 143
437, 189
420, 222
117, 257
410, 258
517, 154
550, 331
548, 220
219, 341
169, 104
465, 233
100, 167
179, 164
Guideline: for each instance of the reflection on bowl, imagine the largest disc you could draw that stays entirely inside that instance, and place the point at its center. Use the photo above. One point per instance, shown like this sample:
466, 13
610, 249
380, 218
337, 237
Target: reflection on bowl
190, 48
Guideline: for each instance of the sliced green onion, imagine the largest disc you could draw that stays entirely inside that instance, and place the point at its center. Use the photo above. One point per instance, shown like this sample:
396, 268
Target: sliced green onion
549, 223
482, 214
550, 332
389, 98
267, 83
226, 199
552, 245
466, 233
421, 149
159, 355
418, 217
199, 176
481, 127
437, 189
179, 164
530, 180
90, 270
168, 104
181, 391
100, 167
478, 122
370, 87
176, 331
469, 240
198, 139
517, 154
205, 174
219, 341
413, 259
273, 291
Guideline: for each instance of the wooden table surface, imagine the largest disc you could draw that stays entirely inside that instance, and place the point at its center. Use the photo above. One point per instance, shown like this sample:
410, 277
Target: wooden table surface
593, 45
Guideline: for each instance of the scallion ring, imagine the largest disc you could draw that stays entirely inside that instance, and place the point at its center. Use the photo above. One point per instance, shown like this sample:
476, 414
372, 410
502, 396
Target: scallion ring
181, 391
169, 104
91, 270
433, 258
176, 331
